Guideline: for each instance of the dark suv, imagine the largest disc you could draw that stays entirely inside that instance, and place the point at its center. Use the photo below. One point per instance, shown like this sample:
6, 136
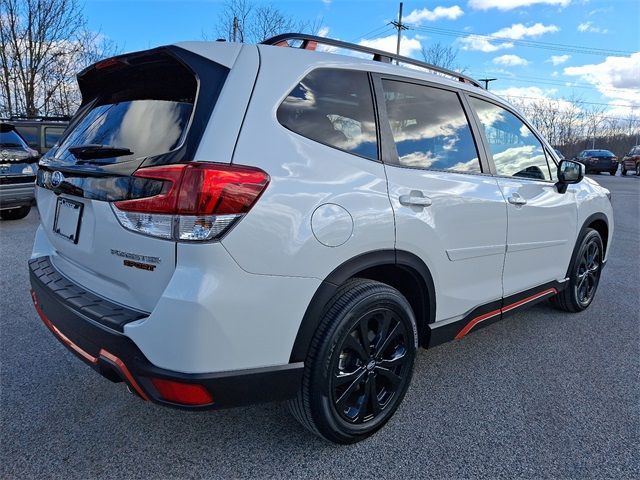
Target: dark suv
599, 161
40, 133
18, 167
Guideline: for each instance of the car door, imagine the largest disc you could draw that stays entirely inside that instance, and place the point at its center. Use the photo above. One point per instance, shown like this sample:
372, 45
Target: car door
447, 209
541, 222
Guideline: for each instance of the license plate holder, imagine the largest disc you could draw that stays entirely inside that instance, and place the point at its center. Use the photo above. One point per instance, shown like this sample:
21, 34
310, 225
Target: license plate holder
67, 219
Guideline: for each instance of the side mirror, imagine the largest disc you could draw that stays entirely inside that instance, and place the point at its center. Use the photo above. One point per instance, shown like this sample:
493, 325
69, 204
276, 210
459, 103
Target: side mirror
569, 172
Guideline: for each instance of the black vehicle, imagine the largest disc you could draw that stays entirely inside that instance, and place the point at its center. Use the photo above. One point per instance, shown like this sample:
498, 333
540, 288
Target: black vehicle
598, 161
18, 168
40, 133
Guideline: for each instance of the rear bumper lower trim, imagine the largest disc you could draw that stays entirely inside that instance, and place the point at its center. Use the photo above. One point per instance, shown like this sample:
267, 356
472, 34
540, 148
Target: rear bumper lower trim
117, 357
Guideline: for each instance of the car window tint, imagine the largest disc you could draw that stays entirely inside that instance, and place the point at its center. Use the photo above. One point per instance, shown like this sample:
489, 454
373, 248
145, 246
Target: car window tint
30, 135
430, 128
334, 107
52, 135
10, 139
515, 149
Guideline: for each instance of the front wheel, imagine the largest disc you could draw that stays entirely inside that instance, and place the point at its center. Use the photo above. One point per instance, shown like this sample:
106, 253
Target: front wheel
613, 172
637, 168
624, 172
584, 274
359, 364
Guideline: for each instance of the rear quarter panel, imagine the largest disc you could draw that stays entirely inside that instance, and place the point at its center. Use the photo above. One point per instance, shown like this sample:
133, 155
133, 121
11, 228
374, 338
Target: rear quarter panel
276, 237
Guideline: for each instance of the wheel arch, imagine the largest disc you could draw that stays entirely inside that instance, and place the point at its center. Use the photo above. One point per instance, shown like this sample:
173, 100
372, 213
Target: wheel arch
600, 223
400, 269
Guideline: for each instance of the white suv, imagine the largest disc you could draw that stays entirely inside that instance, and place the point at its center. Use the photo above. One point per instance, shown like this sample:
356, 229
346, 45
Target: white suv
224, 224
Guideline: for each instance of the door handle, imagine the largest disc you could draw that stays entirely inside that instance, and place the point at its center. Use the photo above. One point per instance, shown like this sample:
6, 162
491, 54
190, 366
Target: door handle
415, 200
516, 199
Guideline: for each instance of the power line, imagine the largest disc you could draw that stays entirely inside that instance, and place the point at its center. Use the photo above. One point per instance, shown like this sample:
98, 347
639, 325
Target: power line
558, 83
376, 31
577, 102
525, 43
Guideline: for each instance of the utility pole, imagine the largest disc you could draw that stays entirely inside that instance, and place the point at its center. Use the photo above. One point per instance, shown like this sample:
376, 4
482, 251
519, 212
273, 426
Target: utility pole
486, 82
400, 27
235, 28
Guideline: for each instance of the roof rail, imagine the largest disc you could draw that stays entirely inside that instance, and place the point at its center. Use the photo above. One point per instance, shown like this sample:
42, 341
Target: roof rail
65, 118
310, 42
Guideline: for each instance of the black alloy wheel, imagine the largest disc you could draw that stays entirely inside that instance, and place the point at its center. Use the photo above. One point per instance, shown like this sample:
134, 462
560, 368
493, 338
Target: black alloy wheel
359, 363
588, 272
584, 273
370, 366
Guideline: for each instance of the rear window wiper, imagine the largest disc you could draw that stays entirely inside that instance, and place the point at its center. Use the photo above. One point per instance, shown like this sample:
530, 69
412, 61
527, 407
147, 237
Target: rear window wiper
90, 151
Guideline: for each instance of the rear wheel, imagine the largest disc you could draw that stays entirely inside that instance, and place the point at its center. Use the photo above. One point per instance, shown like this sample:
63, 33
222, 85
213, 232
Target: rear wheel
624, 171
359, 364
584, 274
613, 172
637, 168
15, 213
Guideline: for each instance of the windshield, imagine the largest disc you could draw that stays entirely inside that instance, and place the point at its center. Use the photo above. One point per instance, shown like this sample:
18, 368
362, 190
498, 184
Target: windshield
11, 139
146, 127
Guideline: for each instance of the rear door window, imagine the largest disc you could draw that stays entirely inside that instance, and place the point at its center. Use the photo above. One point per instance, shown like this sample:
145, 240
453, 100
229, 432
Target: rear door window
430, 128
52, 135
333, 107
516, 151
30, 134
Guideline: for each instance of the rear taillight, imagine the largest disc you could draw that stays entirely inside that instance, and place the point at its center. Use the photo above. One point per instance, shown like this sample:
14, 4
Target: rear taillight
199, 201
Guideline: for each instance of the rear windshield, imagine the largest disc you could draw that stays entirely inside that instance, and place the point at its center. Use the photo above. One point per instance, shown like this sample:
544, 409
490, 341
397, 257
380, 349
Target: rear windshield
599, 153
10, 139
144, 108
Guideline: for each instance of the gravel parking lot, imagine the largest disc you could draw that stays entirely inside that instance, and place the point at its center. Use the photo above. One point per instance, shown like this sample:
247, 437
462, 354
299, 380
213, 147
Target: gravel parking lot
542, 394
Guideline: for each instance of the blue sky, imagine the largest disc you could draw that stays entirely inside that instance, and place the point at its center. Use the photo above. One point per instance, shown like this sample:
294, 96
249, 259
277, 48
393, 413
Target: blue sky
603, 70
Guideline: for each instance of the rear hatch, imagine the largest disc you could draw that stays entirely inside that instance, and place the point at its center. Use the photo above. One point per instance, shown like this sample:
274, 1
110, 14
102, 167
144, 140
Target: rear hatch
140, 112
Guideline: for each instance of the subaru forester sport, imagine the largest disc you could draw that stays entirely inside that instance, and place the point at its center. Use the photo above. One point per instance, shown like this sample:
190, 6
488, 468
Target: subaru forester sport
223, 224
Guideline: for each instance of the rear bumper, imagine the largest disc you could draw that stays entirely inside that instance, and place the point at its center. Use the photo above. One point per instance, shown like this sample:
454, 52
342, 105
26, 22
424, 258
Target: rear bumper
602, 166
16, 195
79, 320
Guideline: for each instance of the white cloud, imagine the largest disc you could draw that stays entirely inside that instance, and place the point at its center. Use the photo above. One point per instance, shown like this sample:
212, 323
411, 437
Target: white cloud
323, 31
482, 44
558, 59
617, 77
408, 46
426, 15
510, 60
511, 4
591, 28
516, 31
326, 2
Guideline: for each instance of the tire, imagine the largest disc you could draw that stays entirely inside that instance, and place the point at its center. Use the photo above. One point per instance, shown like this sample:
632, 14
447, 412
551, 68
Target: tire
624, 172
637, 168
15, 213
613, 172
343, 365
585, 269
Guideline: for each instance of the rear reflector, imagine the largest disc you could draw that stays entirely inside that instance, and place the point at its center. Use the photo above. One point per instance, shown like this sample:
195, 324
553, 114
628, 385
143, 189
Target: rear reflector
199, 201
182, 393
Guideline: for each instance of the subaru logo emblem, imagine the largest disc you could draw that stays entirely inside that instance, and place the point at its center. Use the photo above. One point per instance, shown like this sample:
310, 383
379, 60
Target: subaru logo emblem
57, 178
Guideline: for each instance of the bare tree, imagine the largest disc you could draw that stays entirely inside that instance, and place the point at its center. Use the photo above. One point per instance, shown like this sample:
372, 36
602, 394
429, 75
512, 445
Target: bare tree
43, 43
251, 22
443, 56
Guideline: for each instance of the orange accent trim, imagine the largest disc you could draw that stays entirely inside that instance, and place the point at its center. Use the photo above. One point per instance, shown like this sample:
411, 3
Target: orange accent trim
61, 336
476, 321
469, 326
125, 371
87, 356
